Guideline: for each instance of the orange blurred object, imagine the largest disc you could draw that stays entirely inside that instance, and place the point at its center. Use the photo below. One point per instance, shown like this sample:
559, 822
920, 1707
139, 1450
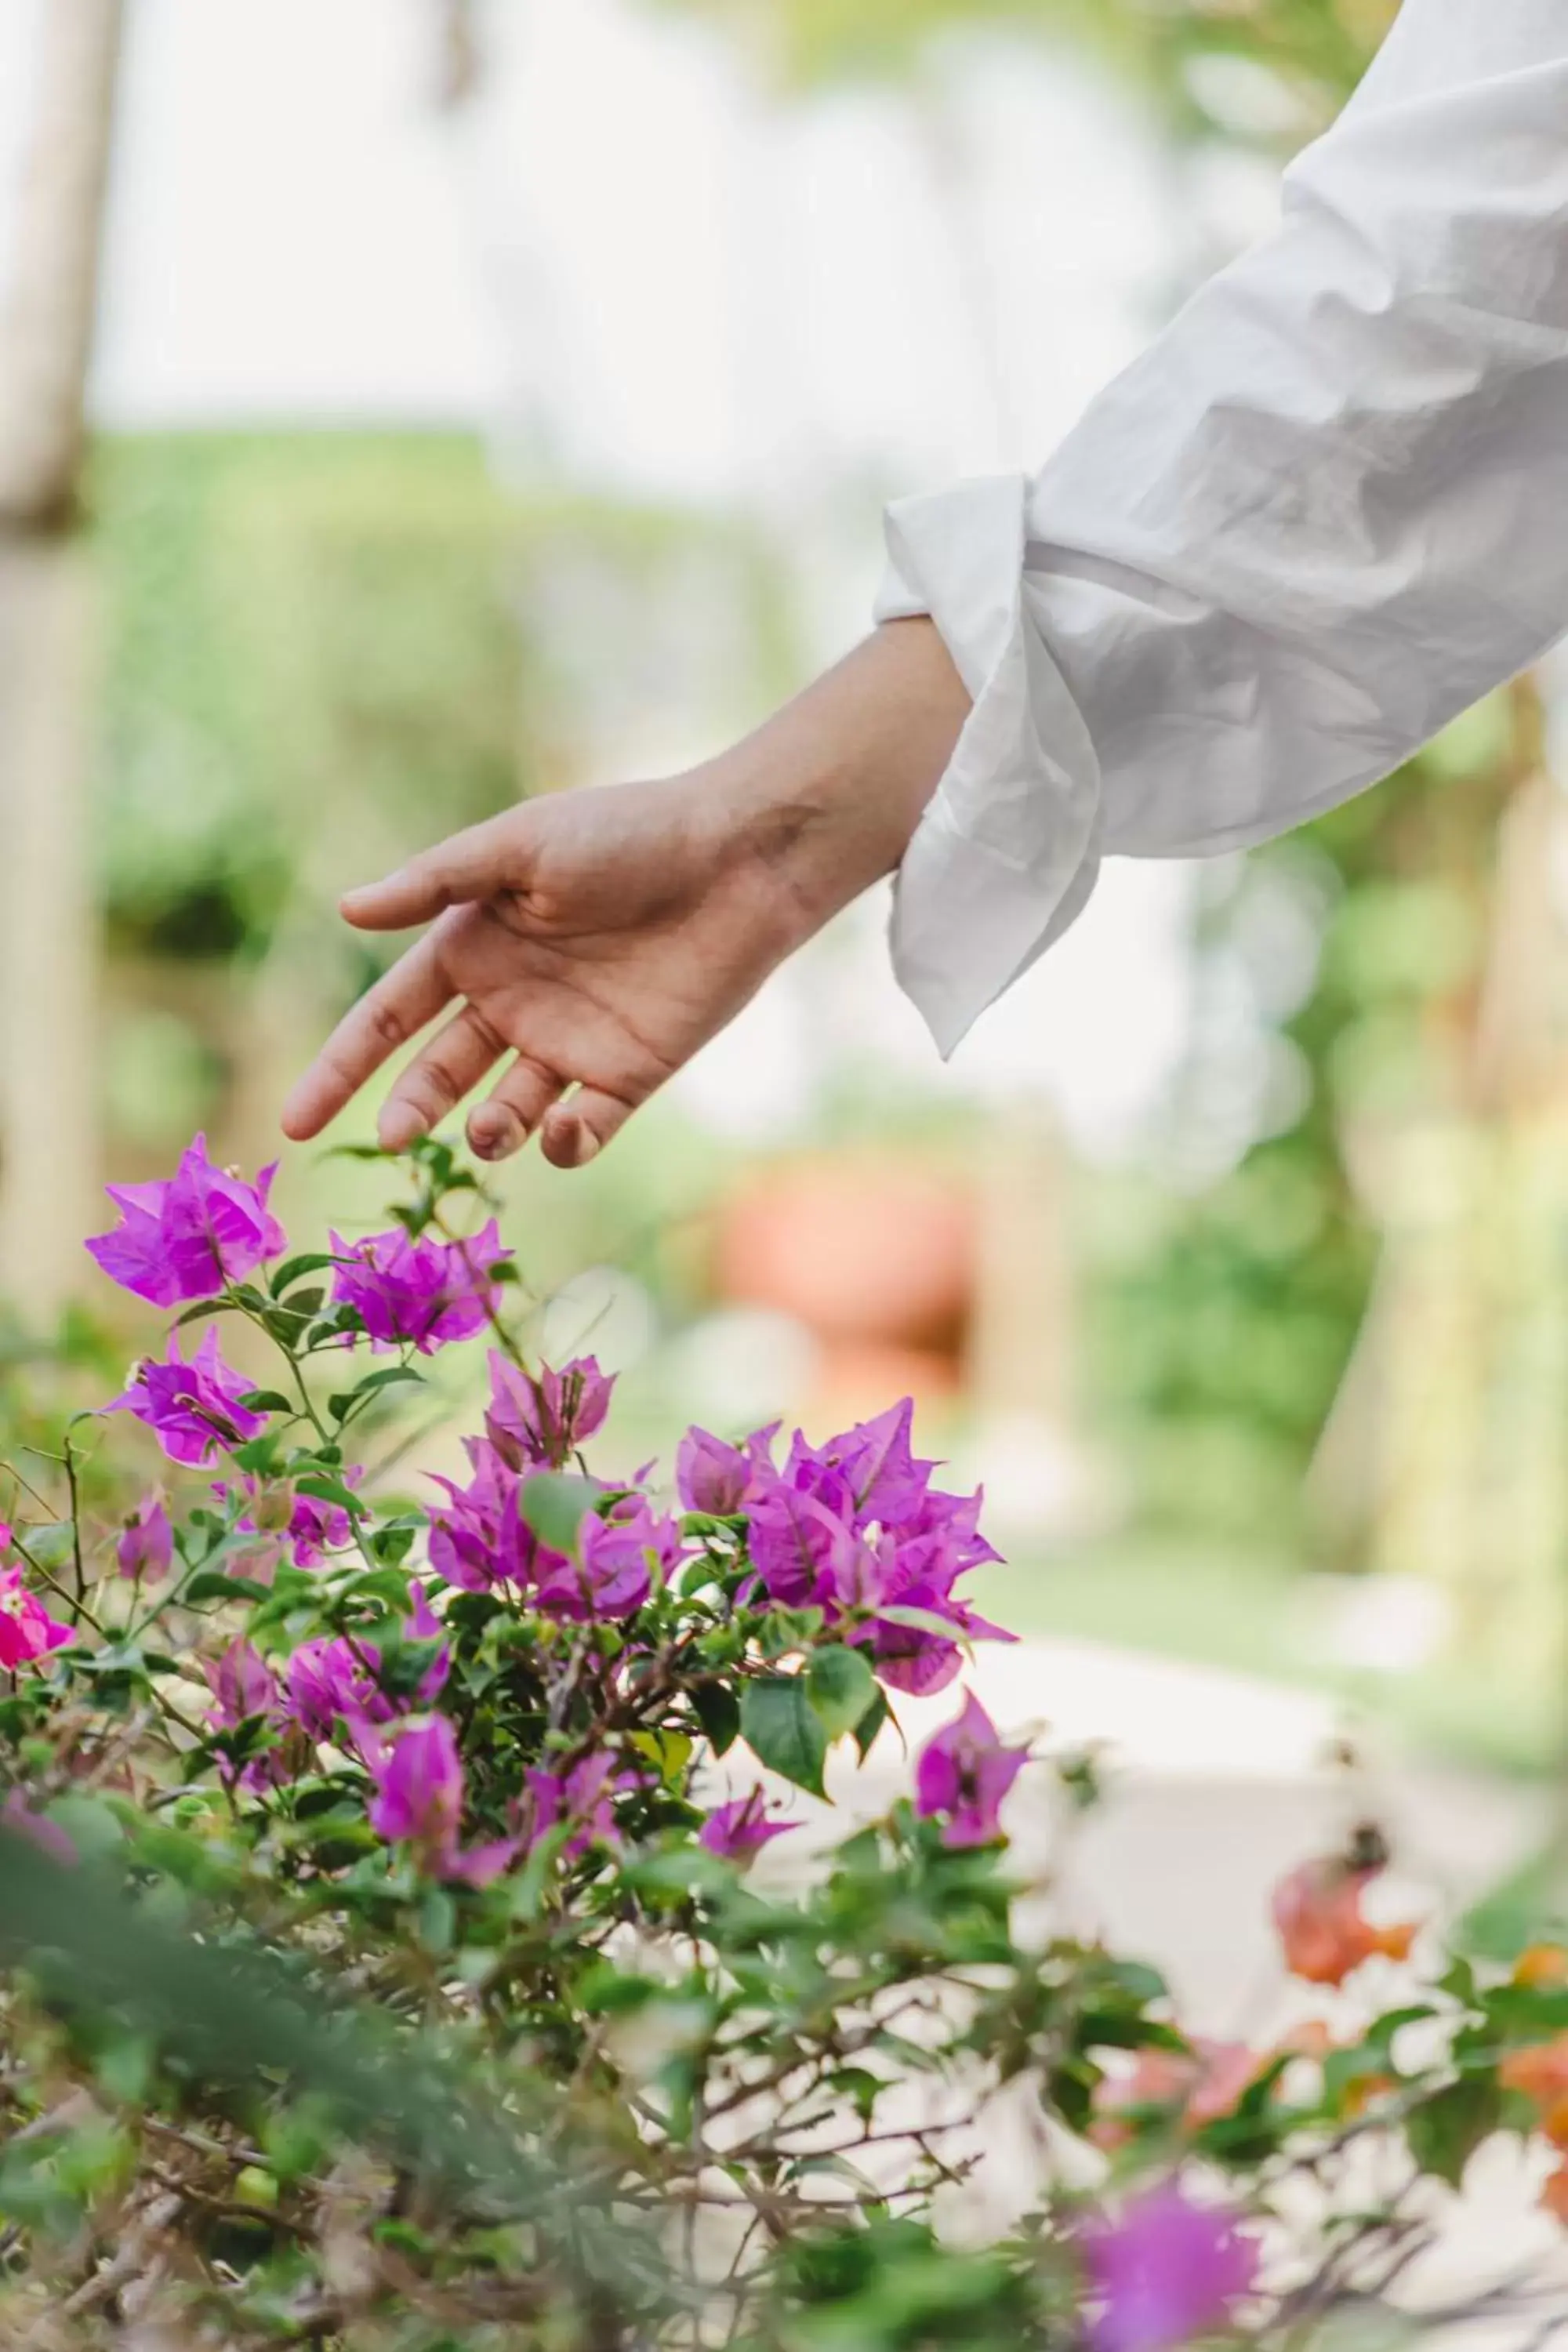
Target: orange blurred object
1202, 2085
863, 1251
1542, 1966
1324, 1932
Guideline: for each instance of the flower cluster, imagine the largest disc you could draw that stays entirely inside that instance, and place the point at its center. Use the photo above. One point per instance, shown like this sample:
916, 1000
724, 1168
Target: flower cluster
459, 1741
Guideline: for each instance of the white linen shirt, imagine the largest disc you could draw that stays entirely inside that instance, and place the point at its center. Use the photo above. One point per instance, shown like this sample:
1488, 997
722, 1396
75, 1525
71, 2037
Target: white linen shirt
1325, 511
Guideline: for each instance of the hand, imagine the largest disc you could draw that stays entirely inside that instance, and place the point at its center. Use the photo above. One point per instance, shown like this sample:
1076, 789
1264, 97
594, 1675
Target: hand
603, 936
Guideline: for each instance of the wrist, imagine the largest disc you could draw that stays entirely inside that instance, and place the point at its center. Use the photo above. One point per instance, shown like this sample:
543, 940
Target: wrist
825, 799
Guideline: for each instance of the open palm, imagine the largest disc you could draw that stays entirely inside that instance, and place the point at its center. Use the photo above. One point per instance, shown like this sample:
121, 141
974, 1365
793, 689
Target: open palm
598, 938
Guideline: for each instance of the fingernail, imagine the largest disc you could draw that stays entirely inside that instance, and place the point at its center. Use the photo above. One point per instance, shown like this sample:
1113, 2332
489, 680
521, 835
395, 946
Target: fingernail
494, 1133
572, 1143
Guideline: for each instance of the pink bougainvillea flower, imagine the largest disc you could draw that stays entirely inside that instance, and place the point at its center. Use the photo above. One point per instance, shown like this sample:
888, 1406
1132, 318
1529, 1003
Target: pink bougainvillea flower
419, 1790
1166, 2271
17, 1813
581, 1797
1323, 1930
334, 1680
740, 1828
317, 1527
613, 1575
803, 1551
422, 1625
854, 1526
244, 1688
536, 1421
1197, 2085
27, 1630
418, 1802
479, 1537
184, 1237
146, 1545
420, 1293
191, 1408
716, 1477
962, 1774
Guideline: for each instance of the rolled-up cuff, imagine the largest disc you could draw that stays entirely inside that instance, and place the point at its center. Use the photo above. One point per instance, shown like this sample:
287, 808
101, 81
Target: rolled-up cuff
1005, 857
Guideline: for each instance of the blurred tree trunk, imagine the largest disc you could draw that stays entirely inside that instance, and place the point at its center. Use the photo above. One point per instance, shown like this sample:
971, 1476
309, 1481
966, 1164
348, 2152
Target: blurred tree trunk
48, 659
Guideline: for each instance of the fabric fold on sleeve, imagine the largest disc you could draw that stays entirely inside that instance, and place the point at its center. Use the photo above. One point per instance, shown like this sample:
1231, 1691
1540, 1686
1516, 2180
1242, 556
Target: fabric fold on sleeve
1006, 854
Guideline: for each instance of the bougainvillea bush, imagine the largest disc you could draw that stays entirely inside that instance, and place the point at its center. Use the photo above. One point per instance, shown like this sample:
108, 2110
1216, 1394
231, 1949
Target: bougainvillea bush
521, 1774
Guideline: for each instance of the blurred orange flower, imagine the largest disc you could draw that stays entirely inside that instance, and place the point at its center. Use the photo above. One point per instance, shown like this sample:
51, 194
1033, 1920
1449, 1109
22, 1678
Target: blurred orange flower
1541, 1967
1324, 1932
1201, 2085
1541, 2074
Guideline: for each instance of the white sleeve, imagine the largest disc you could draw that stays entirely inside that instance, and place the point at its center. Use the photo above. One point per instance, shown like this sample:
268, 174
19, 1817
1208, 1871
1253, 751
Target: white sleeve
1325, 511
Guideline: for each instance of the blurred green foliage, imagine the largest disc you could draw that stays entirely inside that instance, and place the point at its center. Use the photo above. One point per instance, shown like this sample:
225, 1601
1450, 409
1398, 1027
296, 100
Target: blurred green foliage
326, 649
298, 625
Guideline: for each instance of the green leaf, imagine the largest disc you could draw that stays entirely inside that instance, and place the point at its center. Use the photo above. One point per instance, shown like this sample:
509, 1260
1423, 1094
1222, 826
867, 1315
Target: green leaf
340, 1407
784, 1731
870, 1724
207, 1306
293, 1268
266, 1401
718, 1712
1446, 2131
213, 1584
554, 1505
331, 1490
841, 1689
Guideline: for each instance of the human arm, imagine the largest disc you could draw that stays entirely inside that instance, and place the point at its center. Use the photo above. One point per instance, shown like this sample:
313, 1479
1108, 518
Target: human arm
598, 938
1321, 515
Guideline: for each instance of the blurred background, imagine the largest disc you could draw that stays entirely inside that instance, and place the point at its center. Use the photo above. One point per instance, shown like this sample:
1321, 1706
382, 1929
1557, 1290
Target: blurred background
409, 404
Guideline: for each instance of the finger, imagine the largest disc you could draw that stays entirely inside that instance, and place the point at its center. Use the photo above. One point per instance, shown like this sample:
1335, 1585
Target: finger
386, 1017
451, 1066
475, 864
576, 1131
504, 1122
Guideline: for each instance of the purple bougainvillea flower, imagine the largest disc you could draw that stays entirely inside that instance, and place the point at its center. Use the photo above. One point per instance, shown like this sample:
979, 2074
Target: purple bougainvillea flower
422, 1625
418, 1802
716, 1477
184, 1237
1166, 2271
479, 1537
244, 1687
420, 1293
146, 1545
581, 1796
419, 1790
191, 1408
27, 1629
739, 1830
962, 1774
37, 1828
333, 1681
536, 1421
803, 1551
613, 1575
317, 1526
856, 1527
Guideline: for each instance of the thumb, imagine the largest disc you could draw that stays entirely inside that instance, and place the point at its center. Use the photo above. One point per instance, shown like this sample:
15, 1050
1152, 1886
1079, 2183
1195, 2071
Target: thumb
473, 865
